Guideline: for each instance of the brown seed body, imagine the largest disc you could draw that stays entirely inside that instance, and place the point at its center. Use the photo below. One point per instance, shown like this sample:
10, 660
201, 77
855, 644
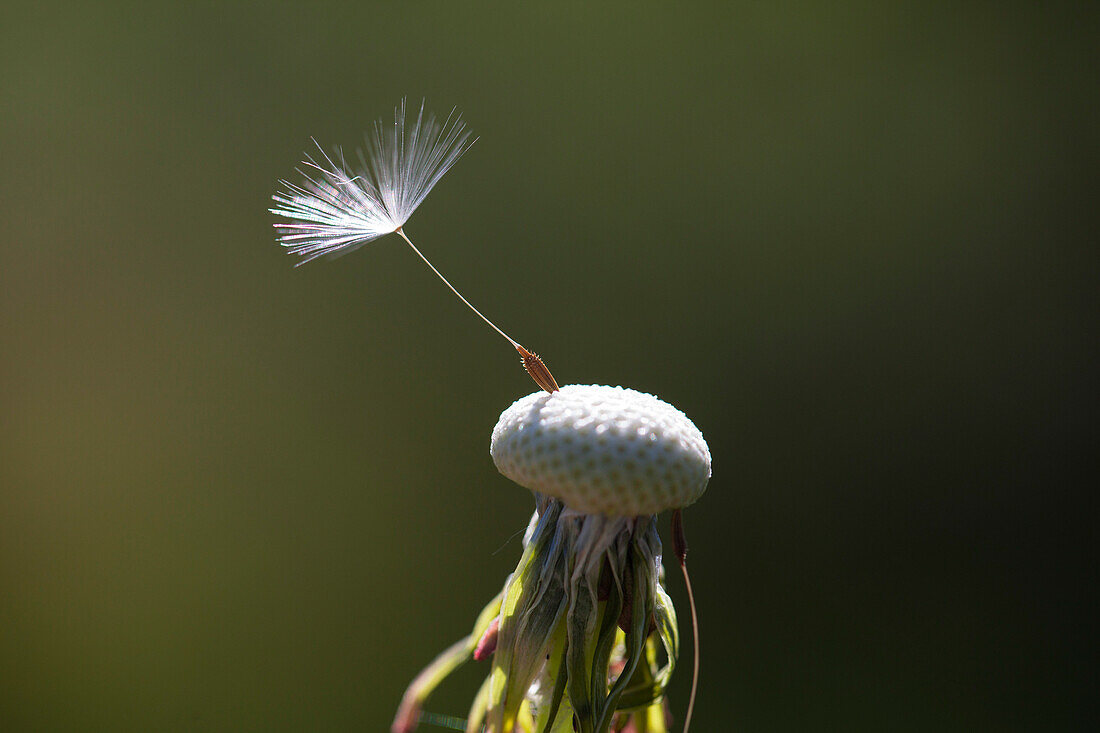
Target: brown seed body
537, 369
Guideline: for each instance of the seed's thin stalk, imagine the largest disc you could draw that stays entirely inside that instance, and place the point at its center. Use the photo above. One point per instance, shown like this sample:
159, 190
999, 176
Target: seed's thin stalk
446, 282
531, 361
679, 544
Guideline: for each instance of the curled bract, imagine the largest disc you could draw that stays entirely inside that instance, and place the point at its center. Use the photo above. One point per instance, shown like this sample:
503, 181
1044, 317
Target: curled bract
603, 450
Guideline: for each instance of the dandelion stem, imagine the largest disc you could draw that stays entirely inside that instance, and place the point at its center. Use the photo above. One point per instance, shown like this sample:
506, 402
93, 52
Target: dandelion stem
680, 547
446, 282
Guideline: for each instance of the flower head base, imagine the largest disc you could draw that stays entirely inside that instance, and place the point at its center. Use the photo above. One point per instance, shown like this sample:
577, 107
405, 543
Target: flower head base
580, 629
337, 209
583, 637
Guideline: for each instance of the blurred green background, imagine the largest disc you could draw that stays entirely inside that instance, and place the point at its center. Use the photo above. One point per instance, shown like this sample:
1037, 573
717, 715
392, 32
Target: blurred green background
853, 243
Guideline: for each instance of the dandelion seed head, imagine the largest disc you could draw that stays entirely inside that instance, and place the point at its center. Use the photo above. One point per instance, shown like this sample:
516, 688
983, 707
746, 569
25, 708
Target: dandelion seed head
338, 207
603, 450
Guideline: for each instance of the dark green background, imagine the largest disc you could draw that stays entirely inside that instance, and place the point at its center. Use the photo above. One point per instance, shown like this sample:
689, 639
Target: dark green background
852, 243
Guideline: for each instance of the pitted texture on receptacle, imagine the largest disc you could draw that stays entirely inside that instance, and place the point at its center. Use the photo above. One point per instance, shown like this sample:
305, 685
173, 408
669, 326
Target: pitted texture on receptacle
603, 450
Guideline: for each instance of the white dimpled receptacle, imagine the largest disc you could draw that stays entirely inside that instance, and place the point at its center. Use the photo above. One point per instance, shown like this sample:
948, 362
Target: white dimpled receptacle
602, 450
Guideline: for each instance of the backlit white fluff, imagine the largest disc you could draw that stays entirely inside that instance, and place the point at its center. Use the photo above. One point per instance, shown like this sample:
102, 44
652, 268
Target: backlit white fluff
337, 209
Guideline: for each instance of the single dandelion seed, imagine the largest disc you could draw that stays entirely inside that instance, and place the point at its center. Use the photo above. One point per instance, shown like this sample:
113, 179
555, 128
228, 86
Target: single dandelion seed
337, 209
